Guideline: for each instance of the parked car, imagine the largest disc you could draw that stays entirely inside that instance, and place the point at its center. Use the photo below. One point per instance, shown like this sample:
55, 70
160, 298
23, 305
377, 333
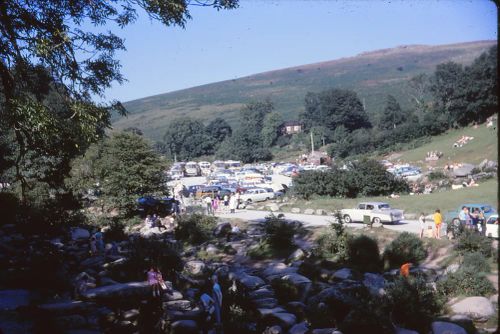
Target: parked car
161, 206
378, 212
192, 169
451, 217
191, 190
257, 195
207, 190
492, 226
176, 174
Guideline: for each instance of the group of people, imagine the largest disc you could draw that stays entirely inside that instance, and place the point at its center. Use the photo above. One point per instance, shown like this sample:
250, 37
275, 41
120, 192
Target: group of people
462, 141
433, 155
472, 220
215, 203
167, 223
437, 218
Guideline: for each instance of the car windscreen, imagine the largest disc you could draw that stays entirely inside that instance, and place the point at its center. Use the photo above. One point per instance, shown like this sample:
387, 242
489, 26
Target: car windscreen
384, 206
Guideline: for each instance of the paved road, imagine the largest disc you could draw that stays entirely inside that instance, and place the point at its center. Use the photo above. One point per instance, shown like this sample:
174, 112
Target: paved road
312, 220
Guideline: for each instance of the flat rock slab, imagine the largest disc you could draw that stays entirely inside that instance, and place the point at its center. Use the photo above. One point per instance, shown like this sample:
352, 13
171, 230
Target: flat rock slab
278, 269
118, 291
266, 311
478, 308
442, 327
67, 308
251, 282
285, 320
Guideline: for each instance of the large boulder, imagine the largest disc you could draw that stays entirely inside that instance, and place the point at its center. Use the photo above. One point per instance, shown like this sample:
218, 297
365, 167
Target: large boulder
463, 171
222, 229
79, 233
122, 291
442, 327
273, 330
279, 269
12, 299
309, 211
250, 282
295, 210
297, 255
284, 320
262, 312
300, 328
195, 268
342, 274
262, 292
375, 283
274, 207
478, 308
265, 303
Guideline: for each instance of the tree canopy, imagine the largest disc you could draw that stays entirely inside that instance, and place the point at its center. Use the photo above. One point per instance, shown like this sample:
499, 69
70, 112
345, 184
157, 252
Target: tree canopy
48, 47
186, 139
119, 169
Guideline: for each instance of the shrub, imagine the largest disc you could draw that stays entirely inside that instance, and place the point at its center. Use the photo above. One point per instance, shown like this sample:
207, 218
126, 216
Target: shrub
413, 302
436, 175
466, 281
333, 245
405, 248
469, 242
371, 315
195, 228
477, 262
279, 232
363, 253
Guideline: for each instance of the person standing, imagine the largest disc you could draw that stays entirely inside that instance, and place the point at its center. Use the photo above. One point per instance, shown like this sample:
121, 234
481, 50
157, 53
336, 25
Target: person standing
233, 203
217, 297
208, 204
208, 307
423, 226
438, 220
152, 277
463, 216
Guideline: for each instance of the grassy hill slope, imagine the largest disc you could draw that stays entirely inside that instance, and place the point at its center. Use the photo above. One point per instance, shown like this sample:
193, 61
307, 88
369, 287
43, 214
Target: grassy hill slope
372, 75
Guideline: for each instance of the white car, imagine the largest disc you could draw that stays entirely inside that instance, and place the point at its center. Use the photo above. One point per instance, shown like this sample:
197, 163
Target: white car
257, 195
378, 212
492, 226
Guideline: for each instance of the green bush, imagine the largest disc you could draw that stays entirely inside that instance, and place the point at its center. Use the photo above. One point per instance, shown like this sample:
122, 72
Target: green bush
363, 254
476, 261
413, 303
333, 245
195, 228
466, 281
469, 242
405, 248
279, 233
284, 290
436, 175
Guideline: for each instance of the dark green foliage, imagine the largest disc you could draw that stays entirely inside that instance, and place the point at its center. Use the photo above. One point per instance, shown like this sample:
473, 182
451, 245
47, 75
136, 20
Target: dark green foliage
476, 261
144, 253
413, 303
218, 129
392, 115
363, 254
284, 290
122, 168
333, 108
469, 242
364, 178
279, 232
186, 139
333, 244
407, 247
271, 128
371, 315
436, 175
466, 281
195, 228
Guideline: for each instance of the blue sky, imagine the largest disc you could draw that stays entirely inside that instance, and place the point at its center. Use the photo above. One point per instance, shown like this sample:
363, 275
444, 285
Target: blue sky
263, 35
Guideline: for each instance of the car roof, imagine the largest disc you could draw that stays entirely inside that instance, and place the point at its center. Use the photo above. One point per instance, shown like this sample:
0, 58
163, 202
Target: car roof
375, 203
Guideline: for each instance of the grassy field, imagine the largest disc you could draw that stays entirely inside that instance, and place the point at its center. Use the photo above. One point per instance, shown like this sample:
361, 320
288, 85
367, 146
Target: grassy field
483, 146
446, 200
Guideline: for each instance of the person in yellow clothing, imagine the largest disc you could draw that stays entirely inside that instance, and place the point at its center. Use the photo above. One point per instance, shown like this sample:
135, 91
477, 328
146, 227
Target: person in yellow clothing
438, 220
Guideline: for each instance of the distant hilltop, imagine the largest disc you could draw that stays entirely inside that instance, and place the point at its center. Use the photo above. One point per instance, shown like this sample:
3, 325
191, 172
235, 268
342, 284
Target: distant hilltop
372, 74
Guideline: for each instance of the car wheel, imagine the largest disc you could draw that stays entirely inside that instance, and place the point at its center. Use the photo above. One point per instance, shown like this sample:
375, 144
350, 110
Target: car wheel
347, 219
267, 198
249, 201
376, 220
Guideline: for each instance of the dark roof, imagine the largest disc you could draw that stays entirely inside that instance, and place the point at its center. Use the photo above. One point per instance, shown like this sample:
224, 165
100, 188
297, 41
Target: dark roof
291, 123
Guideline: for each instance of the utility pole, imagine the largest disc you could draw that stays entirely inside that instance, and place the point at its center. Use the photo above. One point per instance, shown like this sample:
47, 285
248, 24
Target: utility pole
312, 142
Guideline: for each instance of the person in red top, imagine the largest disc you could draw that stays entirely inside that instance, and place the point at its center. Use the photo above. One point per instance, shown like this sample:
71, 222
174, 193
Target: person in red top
405, 269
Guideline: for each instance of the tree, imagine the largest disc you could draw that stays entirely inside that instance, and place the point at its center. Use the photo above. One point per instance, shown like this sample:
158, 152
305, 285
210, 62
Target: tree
392, 114
448, 86
186, 139
120, 169
271, 128
47, 46
335, 107
219, 129
482, 87
253, 114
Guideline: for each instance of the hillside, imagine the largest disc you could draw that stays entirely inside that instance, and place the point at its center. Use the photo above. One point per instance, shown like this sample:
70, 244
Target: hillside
372, 75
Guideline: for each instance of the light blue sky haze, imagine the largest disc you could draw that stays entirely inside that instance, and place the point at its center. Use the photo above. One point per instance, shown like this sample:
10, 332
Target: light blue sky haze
267, 35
